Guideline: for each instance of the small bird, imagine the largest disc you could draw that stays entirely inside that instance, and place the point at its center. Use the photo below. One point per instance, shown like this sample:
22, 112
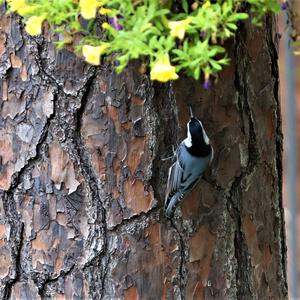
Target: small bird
194, 155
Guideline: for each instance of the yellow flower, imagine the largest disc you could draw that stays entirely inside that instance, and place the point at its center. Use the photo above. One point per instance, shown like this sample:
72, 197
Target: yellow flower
92, 53
34, 25
15, 5
88, 8
162, 70
206, 4
23, 11
178, 27
105, 25
21, 7
105, 11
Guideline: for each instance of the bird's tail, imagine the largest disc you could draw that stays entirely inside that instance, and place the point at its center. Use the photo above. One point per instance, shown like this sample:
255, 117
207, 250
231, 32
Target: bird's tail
171, 205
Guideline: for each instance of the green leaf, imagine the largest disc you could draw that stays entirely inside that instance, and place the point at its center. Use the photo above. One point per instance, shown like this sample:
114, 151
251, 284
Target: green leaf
237, 17
185, 6
215, 65
197, 73
231, 26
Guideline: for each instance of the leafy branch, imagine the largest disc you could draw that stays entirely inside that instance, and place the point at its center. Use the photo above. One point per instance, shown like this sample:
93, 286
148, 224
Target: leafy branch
171, 36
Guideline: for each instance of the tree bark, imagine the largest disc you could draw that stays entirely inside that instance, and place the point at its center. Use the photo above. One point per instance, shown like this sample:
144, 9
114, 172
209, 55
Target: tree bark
82, 177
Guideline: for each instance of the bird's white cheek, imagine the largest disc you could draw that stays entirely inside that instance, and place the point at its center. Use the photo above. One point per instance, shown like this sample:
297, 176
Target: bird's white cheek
206, 139
188, 142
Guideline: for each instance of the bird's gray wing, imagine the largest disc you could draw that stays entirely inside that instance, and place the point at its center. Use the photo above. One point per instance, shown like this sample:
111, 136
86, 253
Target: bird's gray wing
176, 173
192, 173
187, 179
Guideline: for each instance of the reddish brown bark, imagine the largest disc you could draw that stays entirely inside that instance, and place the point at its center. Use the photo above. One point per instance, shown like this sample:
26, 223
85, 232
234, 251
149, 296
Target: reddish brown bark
82, 177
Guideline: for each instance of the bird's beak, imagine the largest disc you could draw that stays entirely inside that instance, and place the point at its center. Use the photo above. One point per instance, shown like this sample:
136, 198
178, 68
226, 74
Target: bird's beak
191, 112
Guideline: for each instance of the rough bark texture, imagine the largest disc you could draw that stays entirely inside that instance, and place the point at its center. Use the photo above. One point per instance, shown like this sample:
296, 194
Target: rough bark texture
82, 181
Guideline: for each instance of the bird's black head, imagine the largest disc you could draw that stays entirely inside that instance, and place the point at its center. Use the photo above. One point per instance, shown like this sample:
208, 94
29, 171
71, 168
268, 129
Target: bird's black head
197, 140
197, 132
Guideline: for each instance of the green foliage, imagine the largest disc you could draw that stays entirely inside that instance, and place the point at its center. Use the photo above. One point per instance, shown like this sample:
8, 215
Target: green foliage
260, 7
191, 35
198, 57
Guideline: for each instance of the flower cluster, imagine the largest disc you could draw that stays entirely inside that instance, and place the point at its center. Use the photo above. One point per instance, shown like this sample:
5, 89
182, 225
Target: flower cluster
172, 36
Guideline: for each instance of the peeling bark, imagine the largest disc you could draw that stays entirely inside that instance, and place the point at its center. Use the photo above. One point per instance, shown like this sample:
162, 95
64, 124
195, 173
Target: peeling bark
82, 177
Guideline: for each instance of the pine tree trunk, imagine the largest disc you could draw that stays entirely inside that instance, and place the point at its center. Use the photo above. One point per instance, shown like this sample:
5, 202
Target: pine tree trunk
82, 177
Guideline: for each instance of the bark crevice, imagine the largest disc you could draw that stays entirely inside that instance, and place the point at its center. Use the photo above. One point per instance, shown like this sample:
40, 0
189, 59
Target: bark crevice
42, 286
9, 203
243, 283
91, 180
272, 43
142, 216
181, 267
17, 177
17, 260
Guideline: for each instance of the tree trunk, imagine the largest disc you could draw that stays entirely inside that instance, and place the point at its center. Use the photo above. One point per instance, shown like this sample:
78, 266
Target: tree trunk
82, 177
